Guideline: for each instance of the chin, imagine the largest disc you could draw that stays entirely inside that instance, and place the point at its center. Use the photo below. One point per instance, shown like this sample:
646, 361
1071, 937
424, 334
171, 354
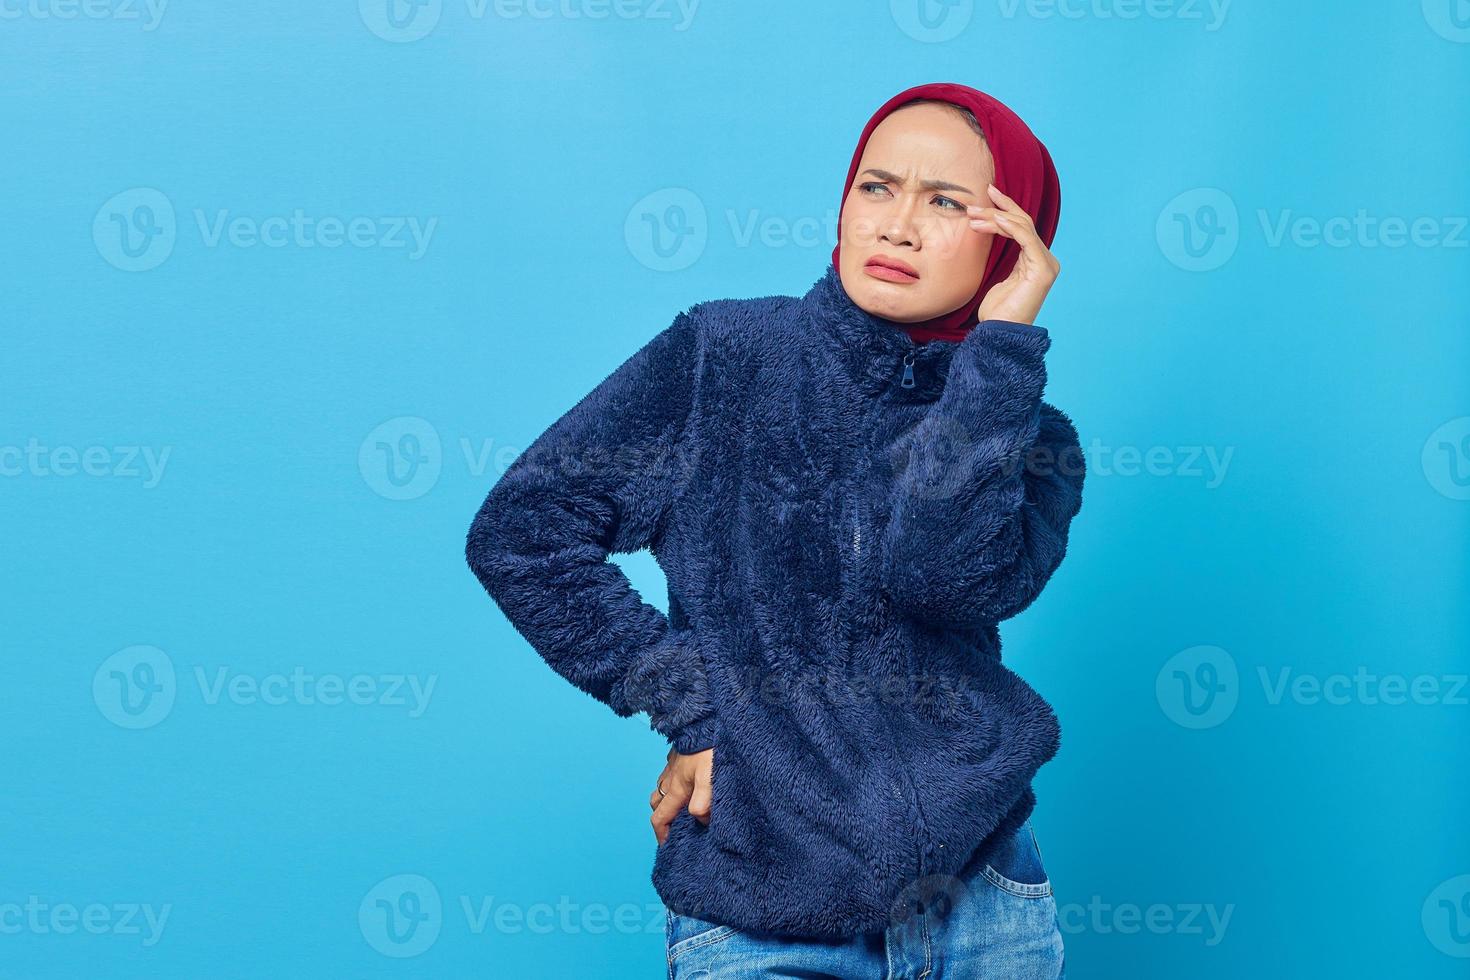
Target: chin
889, 300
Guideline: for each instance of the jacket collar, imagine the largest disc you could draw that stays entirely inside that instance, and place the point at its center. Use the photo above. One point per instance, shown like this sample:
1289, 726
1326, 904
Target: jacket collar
873, 350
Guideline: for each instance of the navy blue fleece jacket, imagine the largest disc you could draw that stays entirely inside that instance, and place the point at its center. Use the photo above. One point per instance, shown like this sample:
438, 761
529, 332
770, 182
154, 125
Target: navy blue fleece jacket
843, 517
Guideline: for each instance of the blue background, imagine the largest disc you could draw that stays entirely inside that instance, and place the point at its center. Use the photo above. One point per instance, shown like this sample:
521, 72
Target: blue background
305, 520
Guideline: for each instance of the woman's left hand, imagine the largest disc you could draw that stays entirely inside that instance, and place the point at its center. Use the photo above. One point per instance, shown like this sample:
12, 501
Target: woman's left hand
685, 781
1018, 297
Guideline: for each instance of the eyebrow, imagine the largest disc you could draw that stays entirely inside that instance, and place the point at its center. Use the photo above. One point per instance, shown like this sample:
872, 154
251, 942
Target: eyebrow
928, 185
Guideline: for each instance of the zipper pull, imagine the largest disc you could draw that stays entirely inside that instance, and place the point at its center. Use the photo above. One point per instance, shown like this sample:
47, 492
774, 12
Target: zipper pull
908, 370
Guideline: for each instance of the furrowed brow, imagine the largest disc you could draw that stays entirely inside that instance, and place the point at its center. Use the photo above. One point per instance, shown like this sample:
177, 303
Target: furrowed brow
928, 185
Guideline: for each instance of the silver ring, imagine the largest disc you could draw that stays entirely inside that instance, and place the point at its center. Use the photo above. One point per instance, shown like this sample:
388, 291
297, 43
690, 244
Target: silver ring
660, 789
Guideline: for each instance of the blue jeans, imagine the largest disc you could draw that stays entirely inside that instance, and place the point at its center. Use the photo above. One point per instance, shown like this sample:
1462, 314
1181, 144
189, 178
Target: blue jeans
995, 920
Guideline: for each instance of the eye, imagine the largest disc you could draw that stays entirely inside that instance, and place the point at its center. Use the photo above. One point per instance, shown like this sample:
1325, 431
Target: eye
871, 186
948, 202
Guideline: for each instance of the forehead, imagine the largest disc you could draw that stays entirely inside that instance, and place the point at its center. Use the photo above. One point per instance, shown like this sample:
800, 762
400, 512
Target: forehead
929, 141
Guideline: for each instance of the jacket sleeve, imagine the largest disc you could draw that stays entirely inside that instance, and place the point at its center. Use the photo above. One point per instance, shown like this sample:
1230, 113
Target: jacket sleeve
986, 486
600, 481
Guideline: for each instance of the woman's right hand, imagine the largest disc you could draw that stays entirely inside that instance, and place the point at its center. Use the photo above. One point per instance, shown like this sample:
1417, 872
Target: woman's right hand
686, 781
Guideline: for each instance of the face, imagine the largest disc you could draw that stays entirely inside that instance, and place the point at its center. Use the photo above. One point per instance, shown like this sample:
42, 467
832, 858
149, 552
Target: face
921, 167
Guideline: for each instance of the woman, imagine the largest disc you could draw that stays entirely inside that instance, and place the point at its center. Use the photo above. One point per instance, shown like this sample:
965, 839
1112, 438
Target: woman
847, 491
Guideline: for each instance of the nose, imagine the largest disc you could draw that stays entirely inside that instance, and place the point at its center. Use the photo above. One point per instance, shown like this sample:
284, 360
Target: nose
898, 226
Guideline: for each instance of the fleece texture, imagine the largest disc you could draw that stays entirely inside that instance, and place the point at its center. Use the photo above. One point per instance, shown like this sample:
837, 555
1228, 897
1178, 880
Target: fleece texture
843, 518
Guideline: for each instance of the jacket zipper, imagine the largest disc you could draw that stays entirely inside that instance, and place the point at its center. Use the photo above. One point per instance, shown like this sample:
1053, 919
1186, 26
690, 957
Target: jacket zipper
907, 381
854, 581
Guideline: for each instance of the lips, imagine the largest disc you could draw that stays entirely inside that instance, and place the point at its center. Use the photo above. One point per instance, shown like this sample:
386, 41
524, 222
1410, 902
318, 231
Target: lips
891, 270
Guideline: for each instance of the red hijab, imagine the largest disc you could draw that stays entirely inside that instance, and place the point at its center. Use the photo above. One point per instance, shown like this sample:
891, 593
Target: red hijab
1023, 171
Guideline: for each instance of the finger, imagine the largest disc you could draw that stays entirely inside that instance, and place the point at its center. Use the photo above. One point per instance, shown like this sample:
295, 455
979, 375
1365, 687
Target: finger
1007, 203
703, 795
1015, 215
994, 225
1023, 232
659, 788
667, 809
